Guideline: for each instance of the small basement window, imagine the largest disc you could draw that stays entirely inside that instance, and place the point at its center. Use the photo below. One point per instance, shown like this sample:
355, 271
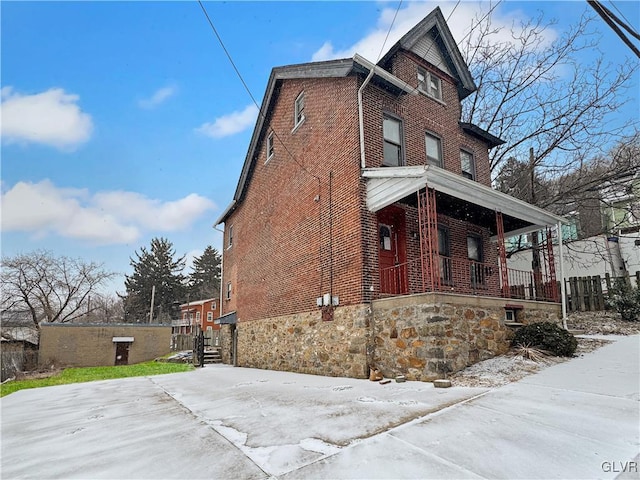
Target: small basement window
510, 315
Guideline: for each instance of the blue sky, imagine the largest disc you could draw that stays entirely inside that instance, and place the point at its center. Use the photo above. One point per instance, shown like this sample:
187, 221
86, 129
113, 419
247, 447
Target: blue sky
125, 121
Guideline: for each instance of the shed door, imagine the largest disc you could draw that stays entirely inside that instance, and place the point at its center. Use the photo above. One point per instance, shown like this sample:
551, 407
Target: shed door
122, 353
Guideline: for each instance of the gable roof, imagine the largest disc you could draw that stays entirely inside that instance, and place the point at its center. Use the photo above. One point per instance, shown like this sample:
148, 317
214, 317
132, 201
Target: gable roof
434, 29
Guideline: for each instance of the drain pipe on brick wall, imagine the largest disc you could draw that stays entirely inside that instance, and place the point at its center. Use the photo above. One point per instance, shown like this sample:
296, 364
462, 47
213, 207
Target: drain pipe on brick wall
215, 227
363, 163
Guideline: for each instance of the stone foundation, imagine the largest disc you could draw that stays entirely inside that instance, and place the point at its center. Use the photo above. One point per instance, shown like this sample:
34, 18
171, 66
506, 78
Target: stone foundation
305, 343
419, 336
425, 336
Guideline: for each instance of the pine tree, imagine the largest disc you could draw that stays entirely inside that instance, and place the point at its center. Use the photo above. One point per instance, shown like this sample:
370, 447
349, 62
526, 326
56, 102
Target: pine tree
204, 280
158, 268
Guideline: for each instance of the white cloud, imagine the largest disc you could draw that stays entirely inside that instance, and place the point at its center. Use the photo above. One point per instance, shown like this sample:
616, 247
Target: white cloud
104, 218
158, 97
51, 118
230, 124
459, 23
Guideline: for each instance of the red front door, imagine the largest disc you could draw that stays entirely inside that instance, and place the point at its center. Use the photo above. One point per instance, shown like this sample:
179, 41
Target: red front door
392, 251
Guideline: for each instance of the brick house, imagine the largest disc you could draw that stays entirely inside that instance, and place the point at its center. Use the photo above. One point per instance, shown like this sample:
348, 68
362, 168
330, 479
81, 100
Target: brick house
200, 314
364, 230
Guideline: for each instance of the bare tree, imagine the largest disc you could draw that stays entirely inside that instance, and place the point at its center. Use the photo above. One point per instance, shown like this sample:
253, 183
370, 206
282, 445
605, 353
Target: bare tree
53, 289
538, 94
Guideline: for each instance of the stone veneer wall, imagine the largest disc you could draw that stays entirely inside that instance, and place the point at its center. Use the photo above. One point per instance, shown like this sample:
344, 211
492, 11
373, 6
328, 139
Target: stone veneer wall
421, 336
305, 343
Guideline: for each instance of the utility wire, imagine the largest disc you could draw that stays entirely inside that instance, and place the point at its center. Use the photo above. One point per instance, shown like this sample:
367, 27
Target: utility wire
260, 112
389, 31
605, 14
626, 26
619, 22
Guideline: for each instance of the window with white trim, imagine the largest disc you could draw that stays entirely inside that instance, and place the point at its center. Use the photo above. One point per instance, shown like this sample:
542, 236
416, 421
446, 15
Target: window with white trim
393, 149
213, 305
209, 316
429, 84
299, 110
230, 237
270, 148
228, 290
434, 150
468, 165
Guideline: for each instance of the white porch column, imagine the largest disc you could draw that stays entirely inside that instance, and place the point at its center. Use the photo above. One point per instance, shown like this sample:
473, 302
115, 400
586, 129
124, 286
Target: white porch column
563, 289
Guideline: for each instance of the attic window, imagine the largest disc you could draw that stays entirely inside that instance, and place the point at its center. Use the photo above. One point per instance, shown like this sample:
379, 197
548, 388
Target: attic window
429, 84
299, 110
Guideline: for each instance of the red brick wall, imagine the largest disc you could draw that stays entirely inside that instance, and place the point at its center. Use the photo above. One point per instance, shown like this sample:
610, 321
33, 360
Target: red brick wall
281, 229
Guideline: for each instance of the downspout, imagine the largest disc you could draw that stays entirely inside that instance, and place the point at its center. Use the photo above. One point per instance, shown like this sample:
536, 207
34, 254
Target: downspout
563, 288
363, 163
221, 269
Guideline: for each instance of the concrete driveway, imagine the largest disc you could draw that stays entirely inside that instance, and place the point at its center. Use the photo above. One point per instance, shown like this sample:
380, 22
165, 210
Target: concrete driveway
579, 419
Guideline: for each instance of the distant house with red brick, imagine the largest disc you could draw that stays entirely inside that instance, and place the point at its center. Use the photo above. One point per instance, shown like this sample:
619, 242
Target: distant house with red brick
199, 314
364, 229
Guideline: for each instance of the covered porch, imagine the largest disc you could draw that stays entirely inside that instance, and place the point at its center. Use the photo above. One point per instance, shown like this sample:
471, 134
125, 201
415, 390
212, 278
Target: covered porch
478, 263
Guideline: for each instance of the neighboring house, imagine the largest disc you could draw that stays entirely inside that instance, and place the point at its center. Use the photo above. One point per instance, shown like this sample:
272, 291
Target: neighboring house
199, 314
603, 236
20, 339
364, 229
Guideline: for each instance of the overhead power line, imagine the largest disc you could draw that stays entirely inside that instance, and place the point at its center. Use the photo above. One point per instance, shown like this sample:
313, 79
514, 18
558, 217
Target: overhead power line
613, 21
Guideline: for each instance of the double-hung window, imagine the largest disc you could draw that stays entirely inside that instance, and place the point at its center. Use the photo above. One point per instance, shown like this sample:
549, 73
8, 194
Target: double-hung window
270, 148
429, 84
434, 150
392, 132
475, 255
467, 164
444, 252
299, 110
228, 290
230, 237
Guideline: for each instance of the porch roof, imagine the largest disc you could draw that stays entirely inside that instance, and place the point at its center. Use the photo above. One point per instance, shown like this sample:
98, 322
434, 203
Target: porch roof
387, 185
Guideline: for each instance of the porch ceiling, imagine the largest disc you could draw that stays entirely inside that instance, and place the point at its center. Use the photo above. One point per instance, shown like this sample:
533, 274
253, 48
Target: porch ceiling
463, 198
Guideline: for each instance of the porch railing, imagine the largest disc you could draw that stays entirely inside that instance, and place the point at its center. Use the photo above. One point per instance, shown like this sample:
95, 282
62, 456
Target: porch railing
466, 277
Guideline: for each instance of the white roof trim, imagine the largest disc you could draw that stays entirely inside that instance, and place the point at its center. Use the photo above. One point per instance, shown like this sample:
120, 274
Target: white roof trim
388, 185
382, 73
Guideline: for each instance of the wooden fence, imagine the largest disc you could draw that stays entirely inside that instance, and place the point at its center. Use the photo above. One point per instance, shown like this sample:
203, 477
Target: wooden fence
184, 341
590, 293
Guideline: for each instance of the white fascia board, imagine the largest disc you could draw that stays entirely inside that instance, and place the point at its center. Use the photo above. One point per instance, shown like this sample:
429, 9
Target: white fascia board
382, 73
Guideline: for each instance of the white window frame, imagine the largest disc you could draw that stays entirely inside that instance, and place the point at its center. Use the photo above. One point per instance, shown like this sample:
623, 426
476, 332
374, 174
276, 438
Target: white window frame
213, 305
228, 290
425, 80
392, 118
298, 111
209, 316
472, 164
270, 147
440, 161
230, 237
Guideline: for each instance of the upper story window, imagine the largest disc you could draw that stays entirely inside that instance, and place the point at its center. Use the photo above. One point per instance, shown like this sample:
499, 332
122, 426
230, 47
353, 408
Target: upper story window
299, 110
429, 84
434, 150
209, 316
230, 237
213, 305
392, 132
468, 165
228, 290
270, 148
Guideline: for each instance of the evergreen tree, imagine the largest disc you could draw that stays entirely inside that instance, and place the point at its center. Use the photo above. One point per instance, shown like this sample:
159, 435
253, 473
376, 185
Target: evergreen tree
204, 280
160, 268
